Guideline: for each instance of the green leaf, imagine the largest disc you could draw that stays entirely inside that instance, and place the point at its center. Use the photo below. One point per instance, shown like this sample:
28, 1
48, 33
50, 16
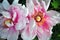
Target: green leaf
55, 4
36, 38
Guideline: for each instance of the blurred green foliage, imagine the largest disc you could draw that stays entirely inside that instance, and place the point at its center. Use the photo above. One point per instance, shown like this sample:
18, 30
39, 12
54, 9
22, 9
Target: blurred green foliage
56, 4
22, 2
36, 38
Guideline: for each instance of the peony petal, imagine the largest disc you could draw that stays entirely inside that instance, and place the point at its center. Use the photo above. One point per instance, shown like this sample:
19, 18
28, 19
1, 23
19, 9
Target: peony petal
30, 31
25, 11
33, 28
14, 16
21, 23
43, 36
35, 2
12, 35
32, 24
15, 2
1, 7
1, 19
26, 35
5, 4
3, 33
6, 14
30, 6
47, 3
51, 22
54, 15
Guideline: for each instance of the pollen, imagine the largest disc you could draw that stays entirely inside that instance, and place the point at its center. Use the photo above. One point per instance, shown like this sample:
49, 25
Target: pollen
38, 18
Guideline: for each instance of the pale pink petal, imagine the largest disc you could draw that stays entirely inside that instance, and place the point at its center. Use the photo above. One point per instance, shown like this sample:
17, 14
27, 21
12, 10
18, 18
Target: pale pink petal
52, 22
21, 23
4, 33
42, 3
30, 6
29, 32
6, 14
15, 2
35, 2
54, 15
23, 10
43, 34
14, 16
1, 7
5, 4
47, 3
26, 34
12, 35
19, 15
1, 19
32, 24
33, 28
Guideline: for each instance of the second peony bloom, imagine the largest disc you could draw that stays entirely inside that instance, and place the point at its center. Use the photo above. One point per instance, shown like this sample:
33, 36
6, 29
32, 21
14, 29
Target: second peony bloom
13, 20
40, 20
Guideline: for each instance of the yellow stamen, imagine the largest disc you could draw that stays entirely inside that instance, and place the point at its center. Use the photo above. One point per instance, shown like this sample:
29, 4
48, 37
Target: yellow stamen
38, 18
6, 22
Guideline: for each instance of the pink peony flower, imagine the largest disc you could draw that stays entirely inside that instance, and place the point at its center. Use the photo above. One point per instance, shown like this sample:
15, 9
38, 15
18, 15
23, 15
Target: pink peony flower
13, 20
40, 20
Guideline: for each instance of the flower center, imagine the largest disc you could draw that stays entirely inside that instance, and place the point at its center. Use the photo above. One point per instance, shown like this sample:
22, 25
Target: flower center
8, 23
38, 18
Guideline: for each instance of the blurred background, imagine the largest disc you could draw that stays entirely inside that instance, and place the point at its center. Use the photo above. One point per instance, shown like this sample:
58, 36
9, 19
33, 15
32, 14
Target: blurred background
54, 5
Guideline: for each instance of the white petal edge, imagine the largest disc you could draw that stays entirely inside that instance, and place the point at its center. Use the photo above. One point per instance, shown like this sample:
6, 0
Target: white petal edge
47, 3
25, 35
23, 9
4, 33
15, 2
32, 24
6, 14
42, 4
21, 23
5, 4
13, 35
54, 14
43, 36
33, 28
35, 2
14, 16
29, 32
1, 7
30, 6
